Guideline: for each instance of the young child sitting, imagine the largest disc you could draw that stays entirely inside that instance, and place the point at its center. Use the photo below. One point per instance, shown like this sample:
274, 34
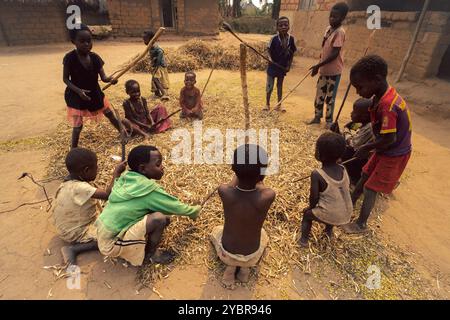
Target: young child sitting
75, 211
133, 221
240, 243
138, 119
160, 76
356, 133
281, 51
190, 98
391, 124
329, 200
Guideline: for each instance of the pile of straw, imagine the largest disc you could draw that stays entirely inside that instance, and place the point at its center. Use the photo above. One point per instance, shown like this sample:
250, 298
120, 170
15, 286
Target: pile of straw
347, 256
198, 54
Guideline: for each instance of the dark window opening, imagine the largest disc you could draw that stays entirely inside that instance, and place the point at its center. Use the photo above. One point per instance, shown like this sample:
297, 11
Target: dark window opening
167, 13
444, 68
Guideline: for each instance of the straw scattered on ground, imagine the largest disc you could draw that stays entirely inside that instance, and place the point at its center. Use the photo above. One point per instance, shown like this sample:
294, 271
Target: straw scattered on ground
347, 256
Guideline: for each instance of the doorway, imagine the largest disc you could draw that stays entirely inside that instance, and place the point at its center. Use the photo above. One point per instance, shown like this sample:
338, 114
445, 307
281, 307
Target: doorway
167, 13
444, 68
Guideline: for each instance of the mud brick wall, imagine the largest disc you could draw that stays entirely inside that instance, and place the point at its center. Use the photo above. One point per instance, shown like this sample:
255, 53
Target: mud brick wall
132, 17
31, 22
391, 41
201, 17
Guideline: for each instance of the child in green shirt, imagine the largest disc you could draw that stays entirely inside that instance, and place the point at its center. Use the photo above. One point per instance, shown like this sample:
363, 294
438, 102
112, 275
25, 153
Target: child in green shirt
132, 223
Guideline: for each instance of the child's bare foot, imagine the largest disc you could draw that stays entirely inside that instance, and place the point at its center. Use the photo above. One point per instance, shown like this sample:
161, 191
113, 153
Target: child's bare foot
161, 257
69, 255
303, 243
243, 275
228, 279
266, 108
353, 228
280, 108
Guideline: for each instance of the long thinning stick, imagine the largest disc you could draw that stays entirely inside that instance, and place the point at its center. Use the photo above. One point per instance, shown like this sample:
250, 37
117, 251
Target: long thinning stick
208, 197
350, 84
207, 81
293, 89
243, 66
228, 28
123, 134
306, 177
139, 58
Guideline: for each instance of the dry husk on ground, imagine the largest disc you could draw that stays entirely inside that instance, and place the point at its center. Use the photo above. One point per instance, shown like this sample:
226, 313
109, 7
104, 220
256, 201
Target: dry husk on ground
198, 54
347, 256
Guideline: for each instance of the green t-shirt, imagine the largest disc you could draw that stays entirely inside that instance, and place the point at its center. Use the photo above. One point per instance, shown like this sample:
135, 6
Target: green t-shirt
134, 196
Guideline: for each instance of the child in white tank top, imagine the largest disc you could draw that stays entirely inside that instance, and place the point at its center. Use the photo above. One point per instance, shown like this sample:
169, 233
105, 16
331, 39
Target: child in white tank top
329, 201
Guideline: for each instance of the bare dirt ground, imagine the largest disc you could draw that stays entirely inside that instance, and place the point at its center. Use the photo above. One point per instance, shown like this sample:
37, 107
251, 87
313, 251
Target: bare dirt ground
416, 217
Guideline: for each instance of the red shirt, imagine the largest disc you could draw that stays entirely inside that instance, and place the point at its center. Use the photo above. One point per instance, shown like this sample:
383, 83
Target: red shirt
390, 115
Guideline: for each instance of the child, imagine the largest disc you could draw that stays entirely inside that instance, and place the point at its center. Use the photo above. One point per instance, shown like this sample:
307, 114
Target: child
160, 76
391, 124
329, 200
331, 64
356, 133
281, 50
240, 243
190, 98
74, 213
138, 120
84, 98
132, 223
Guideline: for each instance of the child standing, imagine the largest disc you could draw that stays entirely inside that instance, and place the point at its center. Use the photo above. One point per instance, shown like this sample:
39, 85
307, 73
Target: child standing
132, 223
331, 64
240, 243
329, 200
391, 125
138, 119
84, 98
75, 211
190, 98
281, 51
160, 76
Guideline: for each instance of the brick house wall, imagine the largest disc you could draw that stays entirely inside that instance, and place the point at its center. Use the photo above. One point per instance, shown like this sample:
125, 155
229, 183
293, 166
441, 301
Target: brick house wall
132, 17
391, 42
32, 22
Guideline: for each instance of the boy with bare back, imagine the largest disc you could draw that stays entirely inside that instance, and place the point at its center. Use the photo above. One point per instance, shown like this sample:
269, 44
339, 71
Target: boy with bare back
240, 243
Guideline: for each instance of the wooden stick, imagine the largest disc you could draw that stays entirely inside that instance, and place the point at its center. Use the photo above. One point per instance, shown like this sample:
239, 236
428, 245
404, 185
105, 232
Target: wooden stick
306, 177
243, 66
295, 88
209, 197
228, 28
207, 81
413, 40
139, 58
123, 134
350, 84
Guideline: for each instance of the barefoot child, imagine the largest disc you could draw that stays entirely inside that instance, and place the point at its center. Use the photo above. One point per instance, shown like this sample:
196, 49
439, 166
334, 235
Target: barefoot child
74, 213
281, 51
356, 133
190, 98
331, 64
160, 76
240, 243
84, 98
391, 125
133, 221
138, 119
329, 200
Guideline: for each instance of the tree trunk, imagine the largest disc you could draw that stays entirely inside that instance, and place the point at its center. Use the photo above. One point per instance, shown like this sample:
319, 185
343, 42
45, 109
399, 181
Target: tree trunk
236, 8
276, 9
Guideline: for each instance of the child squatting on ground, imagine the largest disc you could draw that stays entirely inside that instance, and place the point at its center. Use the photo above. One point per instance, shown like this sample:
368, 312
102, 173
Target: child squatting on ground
83, 96
281, 51
138, 120
240, 243
190, 98
329, 200
391, 125
331, 64
160, 76
133, 221
75, 209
